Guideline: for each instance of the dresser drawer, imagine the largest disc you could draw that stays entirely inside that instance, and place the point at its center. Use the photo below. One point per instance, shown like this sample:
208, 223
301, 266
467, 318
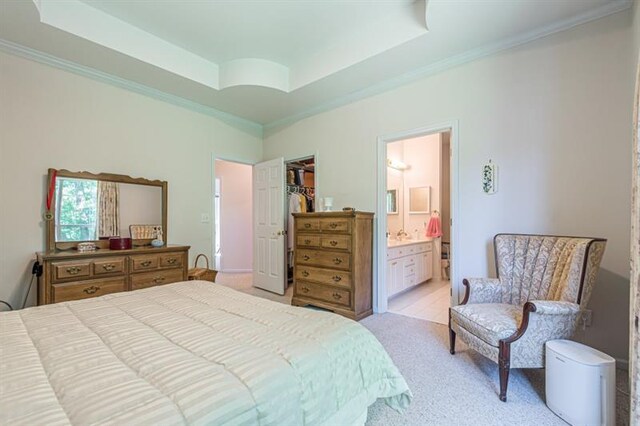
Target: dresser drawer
87, 289
324, 276
150, 279
307, 224
329, 259
67, 270
308, 240
335, 296
171, 260
340, 242
335, 225
144, 262
108, 266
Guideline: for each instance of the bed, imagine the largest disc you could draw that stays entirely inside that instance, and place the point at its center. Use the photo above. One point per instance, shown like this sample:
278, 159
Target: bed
190, 353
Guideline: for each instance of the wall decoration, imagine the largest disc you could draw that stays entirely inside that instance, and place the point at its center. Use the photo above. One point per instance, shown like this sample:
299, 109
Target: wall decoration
490, 178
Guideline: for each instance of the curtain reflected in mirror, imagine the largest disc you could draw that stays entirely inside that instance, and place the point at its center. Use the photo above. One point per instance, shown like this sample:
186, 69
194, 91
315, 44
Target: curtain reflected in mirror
392, 201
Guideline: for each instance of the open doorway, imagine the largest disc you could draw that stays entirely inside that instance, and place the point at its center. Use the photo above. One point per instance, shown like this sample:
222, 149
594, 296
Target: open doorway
418, 227
233, 220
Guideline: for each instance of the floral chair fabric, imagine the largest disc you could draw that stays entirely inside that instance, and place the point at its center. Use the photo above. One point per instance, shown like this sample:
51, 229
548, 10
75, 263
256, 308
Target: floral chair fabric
544, 283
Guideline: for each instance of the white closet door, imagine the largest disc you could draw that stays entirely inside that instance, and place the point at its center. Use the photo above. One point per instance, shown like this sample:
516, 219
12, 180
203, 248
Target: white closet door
269, 243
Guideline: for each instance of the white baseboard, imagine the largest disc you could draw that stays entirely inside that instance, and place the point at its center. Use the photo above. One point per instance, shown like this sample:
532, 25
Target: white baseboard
622, 364
235, 271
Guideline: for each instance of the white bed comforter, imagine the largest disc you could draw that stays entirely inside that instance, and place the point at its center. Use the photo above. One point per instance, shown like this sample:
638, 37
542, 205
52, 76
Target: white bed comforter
189, 353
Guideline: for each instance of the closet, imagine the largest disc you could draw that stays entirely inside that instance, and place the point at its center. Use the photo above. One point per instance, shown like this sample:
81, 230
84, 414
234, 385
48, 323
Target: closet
300, 176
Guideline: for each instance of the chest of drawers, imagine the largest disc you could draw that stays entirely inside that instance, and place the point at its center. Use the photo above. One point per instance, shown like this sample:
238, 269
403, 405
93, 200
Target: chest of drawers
70, 275
333, 262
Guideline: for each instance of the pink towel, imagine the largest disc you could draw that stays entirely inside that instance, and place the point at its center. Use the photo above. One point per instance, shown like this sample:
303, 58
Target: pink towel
434, 229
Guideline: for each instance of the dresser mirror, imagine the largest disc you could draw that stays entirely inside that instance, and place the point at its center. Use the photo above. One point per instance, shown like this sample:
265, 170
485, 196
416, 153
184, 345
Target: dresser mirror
87, 207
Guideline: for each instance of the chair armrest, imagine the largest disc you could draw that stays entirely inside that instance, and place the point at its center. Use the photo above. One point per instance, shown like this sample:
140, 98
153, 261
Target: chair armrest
482, 290
552, 307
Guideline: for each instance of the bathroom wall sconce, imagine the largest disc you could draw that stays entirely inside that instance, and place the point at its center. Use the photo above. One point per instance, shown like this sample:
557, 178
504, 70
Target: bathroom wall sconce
490, 178
397, 164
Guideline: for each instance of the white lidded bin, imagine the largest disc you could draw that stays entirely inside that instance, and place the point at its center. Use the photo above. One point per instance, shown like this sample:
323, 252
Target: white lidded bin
580, 383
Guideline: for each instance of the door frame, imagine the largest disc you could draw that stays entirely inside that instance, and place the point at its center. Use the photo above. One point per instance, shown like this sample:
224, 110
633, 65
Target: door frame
380, 297
212, 218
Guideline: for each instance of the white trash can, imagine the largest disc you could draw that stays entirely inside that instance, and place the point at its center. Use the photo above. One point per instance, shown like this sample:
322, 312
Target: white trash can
580, 383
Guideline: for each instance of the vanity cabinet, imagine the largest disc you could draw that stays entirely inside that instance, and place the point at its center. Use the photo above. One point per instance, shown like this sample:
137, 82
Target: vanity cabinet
72, 275
408, 265
333, 262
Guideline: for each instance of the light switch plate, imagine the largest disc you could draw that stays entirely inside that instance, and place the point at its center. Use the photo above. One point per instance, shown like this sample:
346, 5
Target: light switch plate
204, 218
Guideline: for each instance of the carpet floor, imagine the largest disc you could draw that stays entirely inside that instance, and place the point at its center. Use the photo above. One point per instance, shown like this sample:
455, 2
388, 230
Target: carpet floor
460, 389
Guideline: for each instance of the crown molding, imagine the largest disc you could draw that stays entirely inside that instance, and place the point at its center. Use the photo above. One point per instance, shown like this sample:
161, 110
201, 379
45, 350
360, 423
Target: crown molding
454, 61
247, 126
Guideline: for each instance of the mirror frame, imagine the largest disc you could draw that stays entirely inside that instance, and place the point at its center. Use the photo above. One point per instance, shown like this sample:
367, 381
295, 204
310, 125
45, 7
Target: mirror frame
52, 245
397, 211
428, 211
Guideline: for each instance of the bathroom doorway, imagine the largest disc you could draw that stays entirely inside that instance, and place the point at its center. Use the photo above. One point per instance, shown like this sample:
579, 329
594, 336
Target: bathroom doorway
417, 188
418, 231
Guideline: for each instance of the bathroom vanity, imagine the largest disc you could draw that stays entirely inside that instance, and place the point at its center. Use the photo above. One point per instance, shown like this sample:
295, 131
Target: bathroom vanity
409, 263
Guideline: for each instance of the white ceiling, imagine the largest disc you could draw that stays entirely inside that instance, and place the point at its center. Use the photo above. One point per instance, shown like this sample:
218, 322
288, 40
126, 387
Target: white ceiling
274, 61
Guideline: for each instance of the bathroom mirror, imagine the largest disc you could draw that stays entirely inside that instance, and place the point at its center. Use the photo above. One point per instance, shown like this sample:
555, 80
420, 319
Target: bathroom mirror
87, 207
420, 200
392, 201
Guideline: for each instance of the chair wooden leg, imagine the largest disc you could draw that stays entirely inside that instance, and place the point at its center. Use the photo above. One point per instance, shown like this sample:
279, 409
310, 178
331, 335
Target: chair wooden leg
504, 361
452, 341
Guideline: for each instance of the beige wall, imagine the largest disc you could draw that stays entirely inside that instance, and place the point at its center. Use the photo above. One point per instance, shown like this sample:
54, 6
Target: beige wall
52, 118
543, 113
236, 216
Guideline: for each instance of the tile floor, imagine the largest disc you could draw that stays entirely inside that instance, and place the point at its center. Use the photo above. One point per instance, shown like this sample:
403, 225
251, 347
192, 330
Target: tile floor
429, 301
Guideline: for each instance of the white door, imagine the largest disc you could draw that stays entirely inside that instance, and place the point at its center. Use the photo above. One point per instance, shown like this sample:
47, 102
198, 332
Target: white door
269, 235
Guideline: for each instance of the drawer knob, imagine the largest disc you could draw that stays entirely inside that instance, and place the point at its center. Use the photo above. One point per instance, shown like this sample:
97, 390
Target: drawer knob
145, 263
333, 243
305, 273
108, 267
91, 290
304, 289
305, 257
307, 242
172, 260
337, 296
73, 270
337, 260
336, 278
307, 225
158, 280
333, 225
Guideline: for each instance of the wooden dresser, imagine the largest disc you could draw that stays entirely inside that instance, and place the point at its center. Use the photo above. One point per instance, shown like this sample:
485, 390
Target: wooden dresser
333, 262
71, 275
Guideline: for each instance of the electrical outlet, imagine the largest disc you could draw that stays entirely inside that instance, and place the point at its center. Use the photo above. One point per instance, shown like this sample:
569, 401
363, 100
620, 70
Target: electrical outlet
204, 218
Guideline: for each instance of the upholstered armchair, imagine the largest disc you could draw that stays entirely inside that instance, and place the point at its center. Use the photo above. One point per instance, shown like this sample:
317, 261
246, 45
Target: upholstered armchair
544, 284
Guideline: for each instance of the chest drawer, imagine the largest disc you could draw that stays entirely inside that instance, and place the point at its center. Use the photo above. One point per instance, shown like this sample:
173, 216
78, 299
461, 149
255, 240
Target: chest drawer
67, 270
171, 260
108, 266
144, 262
340, 242
307, 224
308, 240
324, 276
151, 279
330, 259
335, 296
335, 225
87, 289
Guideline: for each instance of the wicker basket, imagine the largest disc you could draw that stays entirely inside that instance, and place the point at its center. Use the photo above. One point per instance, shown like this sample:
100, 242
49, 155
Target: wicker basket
204, 274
